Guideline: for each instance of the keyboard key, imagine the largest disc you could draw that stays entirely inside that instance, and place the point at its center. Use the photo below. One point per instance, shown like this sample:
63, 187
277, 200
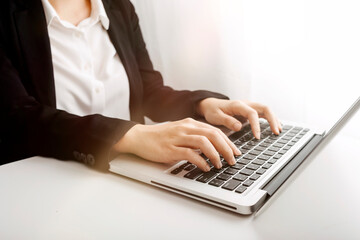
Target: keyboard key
279, 145
261, 171
231, 184
252, 166
237, 166
240, 189
274, 137
205, 177
176, 170
251, 143
248, 183
282, 151
255, 152
264, 157
258, 162
231, 171
190, 167
237, 158
267, 165
224, 164
246, 171
247, 147
282, 141
194, 173
224, 176
238, 143
243, 161
264, 144
269, 153
254, 176
266, 133
249, 157
180, 168
277, 156
270, 141
274, 149
214, 169
259, 148
272, 161
240, 177
216, 182
247, 137
286, 147
185, 165
242, 150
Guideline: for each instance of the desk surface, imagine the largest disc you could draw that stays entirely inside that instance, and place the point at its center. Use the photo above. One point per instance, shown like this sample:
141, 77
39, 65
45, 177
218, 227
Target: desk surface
49, 199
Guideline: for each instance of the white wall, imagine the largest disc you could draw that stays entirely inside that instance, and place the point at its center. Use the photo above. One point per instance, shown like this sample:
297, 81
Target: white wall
304, 52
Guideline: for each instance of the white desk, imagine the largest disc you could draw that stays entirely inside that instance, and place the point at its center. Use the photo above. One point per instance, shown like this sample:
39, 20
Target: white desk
49, 199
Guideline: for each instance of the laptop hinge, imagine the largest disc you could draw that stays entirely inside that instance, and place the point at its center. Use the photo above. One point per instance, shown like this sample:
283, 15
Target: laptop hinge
292, 165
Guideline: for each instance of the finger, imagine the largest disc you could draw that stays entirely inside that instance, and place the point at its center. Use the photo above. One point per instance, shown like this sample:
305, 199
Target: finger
193, 157
253, 118
221, 143
229, 121
204, 144
242, 109
266, 113
201, 128
280, 125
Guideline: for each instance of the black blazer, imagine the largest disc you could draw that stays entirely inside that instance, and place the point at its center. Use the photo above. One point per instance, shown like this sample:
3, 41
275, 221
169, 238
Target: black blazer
31, 125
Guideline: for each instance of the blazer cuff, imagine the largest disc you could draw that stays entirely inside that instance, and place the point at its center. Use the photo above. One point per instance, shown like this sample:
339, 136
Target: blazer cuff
101, 161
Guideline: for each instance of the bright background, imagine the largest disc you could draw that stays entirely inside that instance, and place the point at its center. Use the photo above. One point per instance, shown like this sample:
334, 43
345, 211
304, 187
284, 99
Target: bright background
302, 58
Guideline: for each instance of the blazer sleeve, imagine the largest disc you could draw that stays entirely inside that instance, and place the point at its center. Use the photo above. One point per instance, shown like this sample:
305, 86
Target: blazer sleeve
28, 128
161, 103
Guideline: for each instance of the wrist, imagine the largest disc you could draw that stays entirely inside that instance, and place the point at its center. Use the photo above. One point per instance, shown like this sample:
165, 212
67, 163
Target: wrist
201, 106
127, 143
204, 105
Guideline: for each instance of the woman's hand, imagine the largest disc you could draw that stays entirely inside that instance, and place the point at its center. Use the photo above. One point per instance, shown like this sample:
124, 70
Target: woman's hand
175, 141
222, 112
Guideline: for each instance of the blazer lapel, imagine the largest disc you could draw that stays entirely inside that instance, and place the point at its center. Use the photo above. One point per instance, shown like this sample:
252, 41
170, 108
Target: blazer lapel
35, 45
120, 39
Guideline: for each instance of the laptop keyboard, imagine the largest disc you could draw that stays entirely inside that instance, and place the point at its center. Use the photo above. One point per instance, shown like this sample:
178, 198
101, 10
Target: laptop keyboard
257, 157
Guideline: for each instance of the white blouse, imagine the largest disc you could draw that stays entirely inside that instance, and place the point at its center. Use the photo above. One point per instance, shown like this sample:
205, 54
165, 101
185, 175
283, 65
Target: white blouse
89, 75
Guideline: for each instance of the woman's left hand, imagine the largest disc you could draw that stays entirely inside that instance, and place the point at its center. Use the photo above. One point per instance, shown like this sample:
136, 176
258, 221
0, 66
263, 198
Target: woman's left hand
222, 112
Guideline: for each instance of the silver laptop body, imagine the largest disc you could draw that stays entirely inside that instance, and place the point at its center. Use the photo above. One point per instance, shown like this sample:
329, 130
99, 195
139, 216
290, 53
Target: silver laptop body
255, 195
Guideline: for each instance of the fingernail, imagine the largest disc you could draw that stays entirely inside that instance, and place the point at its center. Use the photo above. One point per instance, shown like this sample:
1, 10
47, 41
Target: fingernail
237, 152
219, 165
233, 161
258, 134
207, 168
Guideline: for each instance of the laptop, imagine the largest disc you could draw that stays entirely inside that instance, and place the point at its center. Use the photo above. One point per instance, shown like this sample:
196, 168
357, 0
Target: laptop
262, 168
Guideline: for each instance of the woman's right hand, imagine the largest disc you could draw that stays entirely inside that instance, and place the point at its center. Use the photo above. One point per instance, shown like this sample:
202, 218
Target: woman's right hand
175, 141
